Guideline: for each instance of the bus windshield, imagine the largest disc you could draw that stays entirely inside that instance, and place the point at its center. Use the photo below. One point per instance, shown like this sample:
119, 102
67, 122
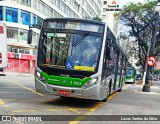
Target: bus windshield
130, 72
70, 51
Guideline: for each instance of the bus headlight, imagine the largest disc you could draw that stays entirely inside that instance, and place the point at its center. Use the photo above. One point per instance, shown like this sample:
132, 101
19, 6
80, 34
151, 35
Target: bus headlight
92, 82
38, 74
40, 77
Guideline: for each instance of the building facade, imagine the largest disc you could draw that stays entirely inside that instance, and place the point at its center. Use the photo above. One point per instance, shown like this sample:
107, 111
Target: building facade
19, 14
108, 11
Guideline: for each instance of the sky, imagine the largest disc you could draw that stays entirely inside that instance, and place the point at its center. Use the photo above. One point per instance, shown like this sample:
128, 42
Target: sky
123, 2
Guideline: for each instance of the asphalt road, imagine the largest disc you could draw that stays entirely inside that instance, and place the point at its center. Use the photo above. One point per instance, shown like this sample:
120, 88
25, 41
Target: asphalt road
18, 97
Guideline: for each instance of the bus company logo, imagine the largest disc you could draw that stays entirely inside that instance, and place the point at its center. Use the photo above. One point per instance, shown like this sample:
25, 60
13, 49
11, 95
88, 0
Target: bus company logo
1, 30
113, 6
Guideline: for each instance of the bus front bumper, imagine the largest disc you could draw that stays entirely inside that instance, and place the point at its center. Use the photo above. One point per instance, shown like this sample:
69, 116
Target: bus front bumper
88, 93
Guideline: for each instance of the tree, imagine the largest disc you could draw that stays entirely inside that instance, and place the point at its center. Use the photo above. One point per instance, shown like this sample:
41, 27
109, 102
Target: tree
138, 18
97, 18
156, 72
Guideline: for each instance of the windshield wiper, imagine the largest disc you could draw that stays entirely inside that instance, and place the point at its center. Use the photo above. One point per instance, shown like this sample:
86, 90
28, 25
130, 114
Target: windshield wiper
79, 40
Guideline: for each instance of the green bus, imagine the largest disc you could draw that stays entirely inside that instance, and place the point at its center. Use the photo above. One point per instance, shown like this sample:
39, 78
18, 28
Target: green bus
130, 75
78, 58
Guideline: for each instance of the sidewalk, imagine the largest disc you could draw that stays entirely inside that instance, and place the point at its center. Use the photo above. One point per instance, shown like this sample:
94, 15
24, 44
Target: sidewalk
138, 88
19, 74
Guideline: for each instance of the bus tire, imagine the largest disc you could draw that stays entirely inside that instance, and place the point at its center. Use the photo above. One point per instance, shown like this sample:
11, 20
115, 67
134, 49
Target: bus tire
120, 89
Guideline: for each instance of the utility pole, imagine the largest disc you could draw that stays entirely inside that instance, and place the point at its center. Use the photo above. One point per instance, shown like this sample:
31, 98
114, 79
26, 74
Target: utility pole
146, 87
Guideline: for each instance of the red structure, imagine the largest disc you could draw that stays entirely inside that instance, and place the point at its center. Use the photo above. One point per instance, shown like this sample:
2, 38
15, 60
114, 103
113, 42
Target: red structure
23, 64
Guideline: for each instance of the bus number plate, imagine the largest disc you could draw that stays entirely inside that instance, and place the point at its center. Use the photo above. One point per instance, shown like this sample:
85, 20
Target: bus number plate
63, 92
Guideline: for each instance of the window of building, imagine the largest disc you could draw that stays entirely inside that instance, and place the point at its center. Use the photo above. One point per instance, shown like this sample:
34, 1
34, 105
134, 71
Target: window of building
14, 50
34, 19
103, 16
23, 37
1, 16
49, 11
11, 14
21, 50
27, 51
24, 51
26, 2
104, 9
35, 4
105, 2
8, 49
56, 3
12, 34
50, 1
37, 38
43, 8
34, 38
34, 52
39, 21
25, 18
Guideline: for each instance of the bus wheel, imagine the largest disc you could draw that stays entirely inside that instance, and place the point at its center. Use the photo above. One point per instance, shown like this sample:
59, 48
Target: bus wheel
120, 89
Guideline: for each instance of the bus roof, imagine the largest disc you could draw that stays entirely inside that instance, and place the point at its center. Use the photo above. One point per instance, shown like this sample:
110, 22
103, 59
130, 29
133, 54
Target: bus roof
75, 19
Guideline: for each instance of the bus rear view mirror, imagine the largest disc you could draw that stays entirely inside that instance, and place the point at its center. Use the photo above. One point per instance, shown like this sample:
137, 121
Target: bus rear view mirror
29, 38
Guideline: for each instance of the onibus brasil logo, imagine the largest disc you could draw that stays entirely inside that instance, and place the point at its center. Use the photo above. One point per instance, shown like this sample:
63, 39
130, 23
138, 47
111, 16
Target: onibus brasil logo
113, 6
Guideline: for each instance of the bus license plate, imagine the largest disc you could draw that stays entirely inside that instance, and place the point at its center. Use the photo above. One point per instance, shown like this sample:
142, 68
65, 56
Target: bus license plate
63, 92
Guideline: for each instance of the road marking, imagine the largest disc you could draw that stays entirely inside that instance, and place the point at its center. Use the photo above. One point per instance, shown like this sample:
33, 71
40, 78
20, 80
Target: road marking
91, 110
26, 88
51, 110
96, 107
114, 94
19, 111
15, 92
74, 110
126, 86
2, 102
77, 120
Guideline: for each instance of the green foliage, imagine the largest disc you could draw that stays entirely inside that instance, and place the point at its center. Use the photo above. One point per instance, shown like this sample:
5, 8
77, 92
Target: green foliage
97, 18
135, 16
156, 72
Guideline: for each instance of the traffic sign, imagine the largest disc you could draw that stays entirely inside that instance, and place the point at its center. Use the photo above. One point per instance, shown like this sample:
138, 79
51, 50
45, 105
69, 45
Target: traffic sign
151, 60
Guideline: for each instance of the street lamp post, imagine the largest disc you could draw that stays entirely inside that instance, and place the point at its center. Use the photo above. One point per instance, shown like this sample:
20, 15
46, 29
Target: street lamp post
146, 87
